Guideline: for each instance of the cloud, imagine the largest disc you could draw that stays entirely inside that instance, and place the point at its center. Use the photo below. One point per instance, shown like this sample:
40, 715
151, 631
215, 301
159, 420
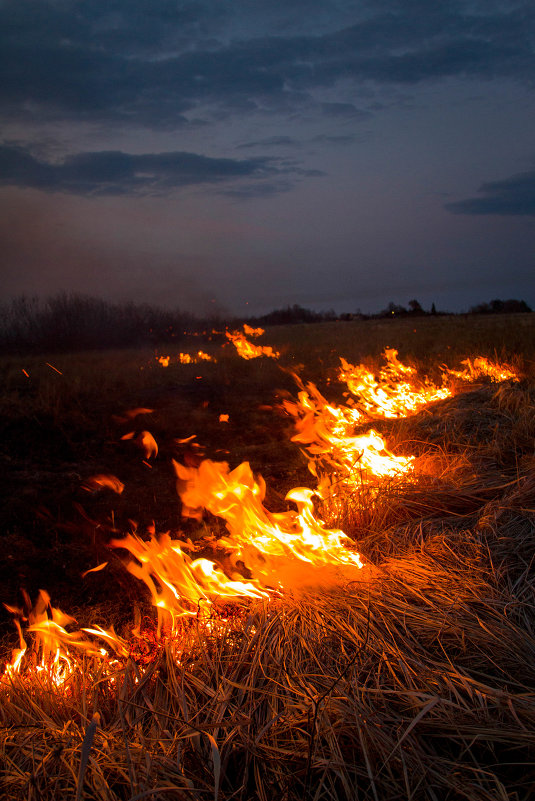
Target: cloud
343, 111
155, 64
118, 173
272, 141
513, 196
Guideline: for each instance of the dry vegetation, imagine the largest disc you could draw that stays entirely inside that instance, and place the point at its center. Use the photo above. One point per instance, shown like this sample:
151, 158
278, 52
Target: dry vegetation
414, 681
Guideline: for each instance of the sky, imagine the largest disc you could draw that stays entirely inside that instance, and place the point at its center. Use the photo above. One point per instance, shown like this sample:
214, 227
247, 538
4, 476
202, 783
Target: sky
236, 156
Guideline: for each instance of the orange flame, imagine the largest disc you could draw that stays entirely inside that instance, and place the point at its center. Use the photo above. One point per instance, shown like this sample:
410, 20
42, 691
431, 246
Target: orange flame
483, 367
274, 547
396, 392
327, 431
277, 551
145, 441
187, 358
178, 583
54, 648
245, 348
95, 483
252, 332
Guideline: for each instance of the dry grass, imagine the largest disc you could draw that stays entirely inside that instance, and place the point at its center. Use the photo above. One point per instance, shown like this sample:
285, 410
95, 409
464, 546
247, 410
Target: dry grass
417, 684
413, 681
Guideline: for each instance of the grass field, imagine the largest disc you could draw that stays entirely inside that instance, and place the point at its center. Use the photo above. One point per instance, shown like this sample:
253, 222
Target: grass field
413, 679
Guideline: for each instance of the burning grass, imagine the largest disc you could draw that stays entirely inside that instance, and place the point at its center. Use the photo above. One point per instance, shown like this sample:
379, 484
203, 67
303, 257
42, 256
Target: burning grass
416, 685
410, 678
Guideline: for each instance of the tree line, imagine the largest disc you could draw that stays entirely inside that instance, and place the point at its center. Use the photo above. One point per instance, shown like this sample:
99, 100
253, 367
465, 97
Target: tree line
67, 322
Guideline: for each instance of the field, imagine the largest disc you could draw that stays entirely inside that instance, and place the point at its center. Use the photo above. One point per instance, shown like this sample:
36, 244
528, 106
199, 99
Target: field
411, 678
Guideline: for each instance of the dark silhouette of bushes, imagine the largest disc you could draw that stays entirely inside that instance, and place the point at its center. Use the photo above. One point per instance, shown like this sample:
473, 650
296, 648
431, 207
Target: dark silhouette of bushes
77, 322
295, 314
70, 322
501, 307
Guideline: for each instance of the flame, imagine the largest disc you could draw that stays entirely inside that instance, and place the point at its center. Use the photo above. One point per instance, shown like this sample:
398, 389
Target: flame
245, 348
200, 356
327, 431
263, 553
483, 367
277, 548
178, 583
95, 483
145, 441
396, 392
55, 649
252, 332
187, 358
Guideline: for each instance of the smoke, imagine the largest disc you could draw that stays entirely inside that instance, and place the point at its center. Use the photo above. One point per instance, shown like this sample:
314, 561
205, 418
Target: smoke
48, 248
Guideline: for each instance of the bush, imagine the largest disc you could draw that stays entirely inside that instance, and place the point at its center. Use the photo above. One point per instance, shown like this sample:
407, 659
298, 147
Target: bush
78, 322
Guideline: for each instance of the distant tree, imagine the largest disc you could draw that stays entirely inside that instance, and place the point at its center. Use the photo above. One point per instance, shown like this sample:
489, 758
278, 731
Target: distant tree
481, 308
515, 306
501, 307
393, 310
294, 314
433, 309
414, 307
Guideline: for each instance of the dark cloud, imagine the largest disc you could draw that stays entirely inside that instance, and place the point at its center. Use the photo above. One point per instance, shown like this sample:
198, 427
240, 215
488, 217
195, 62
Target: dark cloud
154, 63
343, 111
259, 189
512, 196
335, 139
272, 141
118, 173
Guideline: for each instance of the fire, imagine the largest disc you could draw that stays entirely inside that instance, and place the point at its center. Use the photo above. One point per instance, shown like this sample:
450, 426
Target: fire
95, 483
187, 358
346, 458
483, 367
253, 332
200, 356
245, 348
328, 432
263, 553
396, 392
55, 649
144, 441
274, 547
178, 583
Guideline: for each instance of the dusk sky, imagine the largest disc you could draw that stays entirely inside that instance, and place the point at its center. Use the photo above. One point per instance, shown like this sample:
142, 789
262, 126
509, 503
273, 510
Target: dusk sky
244, 155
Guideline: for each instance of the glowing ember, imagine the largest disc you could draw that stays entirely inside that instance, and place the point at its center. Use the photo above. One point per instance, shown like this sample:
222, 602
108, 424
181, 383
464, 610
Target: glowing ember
187, 358
245, 348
